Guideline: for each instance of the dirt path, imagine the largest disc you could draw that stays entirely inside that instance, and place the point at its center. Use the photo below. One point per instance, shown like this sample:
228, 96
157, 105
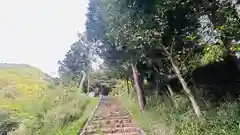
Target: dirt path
110, 118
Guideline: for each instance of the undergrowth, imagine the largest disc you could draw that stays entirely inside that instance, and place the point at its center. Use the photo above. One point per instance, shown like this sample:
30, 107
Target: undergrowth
30, 105
57, 113
161, 119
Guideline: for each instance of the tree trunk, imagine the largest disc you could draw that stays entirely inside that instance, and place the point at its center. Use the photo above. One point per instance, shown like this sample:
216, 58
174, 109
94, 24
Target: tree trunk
186, 89
139, 89
184, 84
82, 81
156, 91
133, 89
132, 82
88, 82
171, 95
128, 89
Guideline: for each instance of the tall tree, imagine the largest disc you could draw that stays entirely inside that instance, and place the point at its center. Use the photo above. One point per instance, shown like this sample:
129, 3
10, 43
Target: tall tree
153, 36
77, 61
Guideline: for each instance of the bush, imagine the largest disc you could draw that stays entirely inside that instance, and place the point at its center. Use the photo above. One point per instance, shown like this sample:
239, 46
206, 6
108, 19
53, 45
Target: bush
6, 122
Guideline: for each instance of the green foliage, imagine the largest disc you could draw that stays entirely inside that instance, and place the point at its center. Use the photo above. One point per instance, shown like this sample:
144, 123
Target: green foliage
21, 83
212, 53
150, 122
162, 119
231, 26
37, 109
219, 121
161, 37
6, 122
77, 60
119, 87
56, 112
236, 47
194, 62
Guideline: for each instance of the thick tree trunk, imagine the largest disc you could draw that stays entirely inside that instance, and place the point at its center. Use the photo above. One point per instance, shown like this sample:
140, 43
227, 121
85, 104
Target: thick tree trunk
140, 93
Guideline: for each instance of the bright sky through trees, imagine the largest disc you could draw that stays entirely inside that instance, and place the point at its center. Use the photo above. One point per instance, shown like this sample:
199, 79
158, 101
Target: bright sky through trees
39, 32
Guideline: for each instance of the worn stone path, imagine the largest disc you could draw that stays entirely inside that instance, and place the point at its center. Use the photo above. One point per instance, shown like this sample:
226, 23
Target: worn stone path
110, 118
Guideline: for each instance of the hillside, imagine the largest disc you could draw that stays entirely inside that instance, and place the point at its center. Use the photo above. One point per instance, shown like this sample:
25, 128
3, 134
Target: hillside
20, 82
31, 103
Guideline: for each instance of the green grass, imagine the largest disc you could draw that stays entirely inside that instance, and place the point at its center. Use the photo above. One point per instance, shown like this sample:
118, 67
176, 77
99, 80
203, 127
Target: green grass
161, 119
74, 127
149, 121
30, 104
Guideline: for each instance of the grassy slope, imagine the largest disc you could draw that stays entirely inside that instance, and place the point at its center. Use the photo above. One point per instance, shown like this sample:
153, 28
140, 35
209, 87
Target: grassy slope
160, 118
20, 83
32, 104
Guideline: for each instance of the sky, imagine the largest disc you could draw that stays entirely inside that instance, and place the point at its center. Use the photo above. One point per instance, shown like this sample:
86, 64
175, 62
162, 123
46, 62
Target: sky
39, 32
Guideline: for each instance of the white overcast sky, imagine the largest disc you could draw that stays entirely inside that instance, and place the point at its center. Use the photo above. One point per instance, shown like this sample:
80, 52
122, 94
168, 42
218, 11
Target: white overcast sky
39, 32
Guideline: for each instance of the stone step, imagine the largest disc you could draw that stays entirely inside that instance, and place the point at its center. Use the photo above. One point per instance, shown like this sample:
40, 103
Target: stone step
112, 130
112, 119
132, 133
100, 125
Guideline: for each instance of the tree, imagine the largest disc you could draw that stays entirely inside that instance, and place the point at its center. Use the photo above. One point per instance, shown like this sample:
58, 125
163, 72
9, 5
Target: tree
77, 61
225, 19
114, 49
157, 37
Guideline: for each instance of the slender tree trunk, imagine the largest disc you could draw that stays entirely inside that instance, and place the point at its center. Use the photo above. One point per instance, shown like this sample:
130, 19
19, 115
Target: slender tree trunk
170, 90
88, 87
128, 89
132, 84
133, 89
186, 89
184, 84
82, 81
171, 95
139, 89
156, 91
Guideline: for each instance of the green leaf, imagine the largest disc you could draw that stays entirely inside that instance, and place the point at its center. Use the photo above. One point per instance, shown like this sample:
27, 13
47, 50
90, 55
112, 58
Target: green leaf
219, 27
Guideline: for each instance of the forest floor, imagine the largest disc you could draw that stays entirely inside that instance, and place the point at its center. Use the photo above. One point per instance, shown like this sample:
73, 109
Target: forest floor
110, 118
